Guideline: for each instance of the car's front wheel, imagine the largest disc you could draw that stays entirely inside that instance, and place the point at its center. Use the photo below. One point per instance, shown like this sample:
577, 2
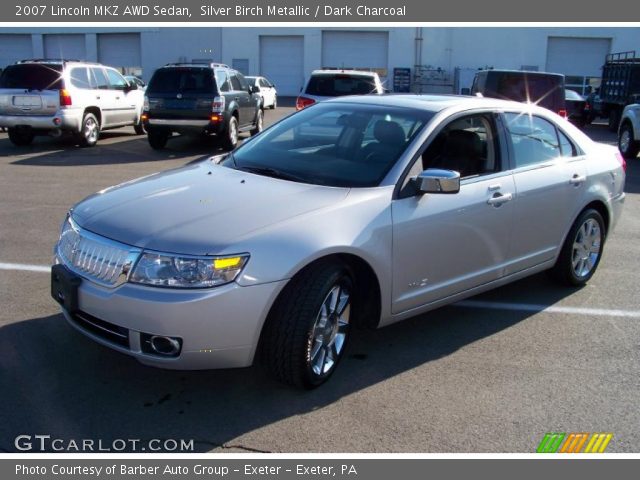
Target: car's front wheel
307, 332
582, 249
627, 144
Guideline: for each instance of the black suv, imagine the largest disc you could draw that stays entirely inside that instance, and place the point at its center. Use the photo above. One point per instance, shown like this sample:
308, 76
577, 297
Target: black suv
200, 99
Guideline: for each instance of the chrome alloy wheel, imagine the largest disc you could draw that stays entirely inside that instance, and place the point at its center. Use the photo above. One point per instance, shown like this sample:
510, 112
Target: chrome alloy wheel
586, 248
90, 131
330, 330
625, 140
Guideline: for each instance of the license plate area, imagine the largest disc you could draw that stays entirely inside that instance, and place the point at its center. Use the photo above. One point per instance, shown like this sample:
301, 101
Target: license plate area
27, 101
64, 287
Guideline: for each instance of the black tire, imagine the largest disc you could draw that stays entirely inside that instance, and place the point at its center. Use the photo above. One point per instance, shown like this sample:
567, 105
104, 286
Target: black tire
630, 147
614, 120
139, 127
20, 136
90, 132
275, 103
259, 123
157, 139
287, 341
230, 139
564, 270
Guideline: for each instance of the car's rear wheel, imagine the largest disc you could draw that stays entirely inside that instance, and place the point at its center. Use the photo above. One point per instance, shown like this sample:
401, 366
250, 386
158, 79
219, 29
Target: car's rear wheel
307, 332
259, 123
230, 140
90, 130
582, 249
157, 139
20, 136
627, 144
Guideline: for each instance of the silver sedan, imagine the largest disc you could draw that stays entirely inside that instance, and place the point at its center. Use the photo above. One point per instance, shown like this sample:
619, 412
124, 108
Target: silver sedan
360, 211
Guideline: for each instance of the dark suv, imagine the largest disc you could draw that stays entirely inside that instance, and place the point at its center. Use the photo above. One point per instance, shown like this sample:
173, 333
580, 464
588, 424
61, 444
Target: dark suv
200, 99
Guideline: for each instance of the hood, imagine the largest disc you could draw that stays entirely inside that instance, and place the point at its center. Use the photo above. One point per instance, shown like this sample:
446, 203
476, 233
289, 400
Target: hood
199, 209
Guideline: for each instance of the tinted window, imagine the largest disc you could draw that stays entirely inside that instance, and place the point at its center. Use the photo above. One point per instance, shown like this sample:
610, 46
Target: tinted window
544, 90
80, 78
243, 81
222, 80
340, 84
186, 80
337, 145
116, 81
235, 83
534, 139
32, 77
100, 79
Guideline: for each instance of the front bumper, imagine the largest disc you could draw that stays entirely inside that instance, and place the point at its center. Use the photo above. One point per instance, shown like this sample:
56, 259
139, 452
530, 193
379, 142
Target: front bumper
219, 327
68, 120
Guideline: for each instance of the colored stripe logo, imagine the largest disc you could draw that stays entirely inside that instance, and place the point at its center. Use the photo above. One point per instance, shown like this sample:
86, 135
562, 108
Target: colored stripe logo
574, 442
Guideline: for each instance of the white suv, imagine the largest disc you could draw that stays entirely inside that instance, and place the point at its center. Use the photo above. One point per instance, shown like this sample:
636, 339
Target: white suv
629, 131
49, 97
326, 84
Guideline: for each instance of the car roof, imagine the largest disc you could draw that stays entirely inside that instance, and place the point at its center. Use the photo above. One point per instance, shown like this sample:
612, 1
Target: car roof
436, 103
522, 72
339, 72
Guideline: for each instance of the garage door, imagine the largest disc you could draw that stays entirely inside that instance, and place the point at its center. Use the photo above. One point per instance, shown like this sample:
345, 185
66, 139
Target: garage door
68, 46
282, 62
359, 50
577, 56
14, 48
120, 50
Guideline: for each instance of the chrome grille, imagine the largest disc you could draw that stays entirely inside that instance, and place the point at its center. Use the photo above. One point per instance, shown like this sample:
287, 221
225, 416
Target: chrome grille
97, 258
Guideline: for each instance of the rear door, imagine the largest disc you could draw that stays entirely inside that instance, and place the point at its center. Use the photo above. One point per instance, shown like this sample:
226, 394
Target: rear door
246, 102
30, 89
104, 97
550, 176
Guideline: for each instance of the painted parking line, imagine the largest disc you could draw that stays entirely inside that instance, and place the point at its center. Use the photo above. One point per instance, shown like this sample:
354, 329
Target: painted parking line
516, 307
24, 267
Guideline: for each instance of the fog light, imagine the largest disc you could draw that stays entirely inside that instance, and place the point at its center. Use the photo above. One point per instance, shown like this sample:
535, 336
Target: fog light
160, 345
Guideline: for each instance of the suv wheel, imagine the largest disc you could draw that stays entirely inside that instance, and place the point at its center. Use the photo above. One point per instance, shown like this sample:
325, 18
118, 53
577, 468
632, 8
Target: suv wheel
20, 136
157, 139
309, 327
231, 139
627, 144
259, 122
90, 130
582, 250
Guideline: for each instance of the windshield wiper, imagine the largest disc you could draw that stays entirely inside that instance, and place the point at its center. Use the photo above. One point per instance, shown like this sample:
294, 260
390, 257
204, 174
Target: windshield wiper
271, 172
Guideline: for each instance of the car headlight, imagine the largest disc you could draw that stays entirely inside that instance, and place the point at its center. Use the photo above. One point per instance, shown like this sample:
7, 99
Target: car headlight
181, 271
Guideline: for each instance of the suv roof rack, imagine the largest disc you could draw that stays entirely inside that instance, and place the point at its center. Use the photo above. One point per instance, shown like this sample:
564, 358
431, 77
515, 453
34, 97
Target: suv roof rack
200, 64
55, 60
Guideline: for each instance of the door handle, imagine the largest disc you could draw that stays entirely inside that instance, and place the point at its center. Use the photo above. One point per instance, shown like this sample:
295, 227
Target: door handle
117, 98
499, 198
578, 180
97, 97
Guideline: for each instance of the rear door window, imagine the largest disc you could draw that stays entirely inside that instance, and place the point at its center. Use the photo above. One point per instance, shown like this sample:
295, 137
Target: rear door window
32, 76
100, 78
80, 78
534, 139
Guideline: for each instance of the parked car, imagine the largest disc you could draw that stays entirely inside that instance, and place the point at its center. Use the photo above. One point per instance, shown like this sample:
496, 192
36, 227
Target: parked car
274, 252
541, 88
137, 80
629, 132
268, 91
52, 97
325, 84
200, 99
577, 108
620, 85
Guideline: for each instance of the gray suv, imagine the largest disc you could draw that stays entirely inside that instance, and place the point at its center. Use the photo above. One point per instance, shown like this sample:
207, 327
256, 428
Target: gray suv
51, 97
200, 99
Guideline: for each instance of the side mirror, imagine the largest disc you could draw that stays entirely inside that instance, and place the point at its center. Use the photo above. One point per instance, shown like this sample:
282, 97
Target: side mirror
254, 89
434, 180
131, 86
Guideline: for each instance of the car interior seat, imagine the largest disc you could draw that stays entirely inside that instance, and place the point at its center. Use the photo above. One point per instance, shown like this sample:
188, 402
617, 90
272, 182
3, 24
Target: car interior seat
462, 151
389, 140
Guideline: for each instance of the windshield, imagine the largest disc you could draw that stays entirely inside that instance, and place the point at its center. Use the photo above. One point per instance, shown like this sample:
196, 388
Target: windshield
32, 76
184, 80
334, 144
340, 84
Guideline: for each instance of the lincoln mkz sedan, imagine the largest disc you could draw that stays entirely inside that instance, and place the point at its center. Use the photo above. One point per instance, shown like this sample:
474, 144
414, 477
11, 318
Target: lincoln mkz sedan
355, 212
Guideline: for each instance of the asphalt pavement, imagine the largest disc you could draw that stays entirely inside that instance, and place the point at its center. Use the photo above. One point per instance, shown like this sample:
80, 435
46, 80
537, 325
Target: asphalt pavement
491, 375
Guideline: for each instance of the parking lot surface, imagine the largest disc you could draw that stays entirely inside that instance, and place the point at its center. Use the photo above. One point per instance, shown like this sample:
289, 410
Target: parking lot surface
492, 374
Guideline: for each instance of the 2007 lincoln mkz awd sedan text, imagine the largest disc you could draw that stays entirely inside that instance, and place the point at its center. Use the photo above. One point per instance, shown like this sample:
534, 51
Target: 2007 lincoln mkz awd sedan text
359, 211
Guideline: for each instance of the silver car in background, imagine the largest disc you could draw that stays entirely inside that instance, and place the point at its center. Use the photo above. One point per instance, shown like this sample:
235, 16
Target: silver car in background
52, 97
274, 252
